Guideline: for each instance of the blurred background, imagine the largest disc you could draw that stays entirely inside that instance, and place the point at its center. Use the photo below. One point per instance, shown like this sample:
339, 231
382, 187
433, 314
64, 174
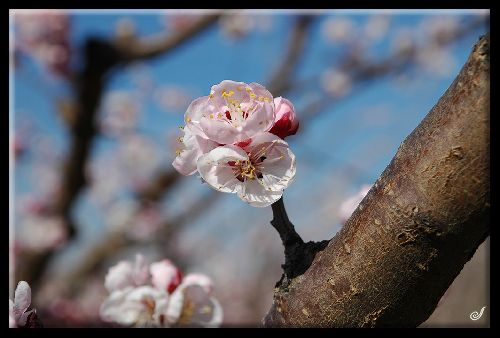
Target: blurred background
96, 101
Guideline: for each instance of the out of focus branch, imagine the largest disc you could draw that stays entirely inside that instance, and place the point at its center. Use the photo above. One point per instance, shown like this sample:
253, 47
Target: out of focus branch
132, 49
416, 228
100, 57
361, 72
281, 78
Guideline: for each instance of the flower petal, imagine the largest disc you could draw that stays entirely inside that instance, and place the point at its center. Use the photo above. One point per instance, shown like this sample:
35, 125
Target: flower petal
119, 276
215, 170
165, 275
12, 322
279, 167
256, 195
22, 299
141, 270
192, 305
196, 110
116, 308
199, 279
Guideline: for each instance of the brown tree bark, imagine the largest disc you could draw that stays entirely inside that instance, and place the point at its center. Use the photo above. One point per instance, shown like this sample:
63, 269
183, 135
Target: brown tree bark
419, 224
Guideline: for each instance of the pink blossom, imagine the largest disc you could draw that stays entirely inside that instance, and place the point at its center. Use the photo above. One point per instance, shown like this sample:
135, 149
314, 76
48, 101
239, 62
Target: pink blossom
45, 36
349, 205
193, 146
286, 122
258, 173
233, 112
165, 275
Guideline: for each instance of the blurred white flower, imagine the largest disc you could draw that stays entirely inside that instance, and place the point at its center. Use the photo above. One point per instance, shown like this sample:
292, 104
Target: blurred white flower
437, 61
18, 309
141, 306
439, 29
138, 156
165, 275
145, 223
166, 302
172, 98
40, 233
119, 215
45, 36
376, 27
403, 41
192, 303
121, 113
125, 274
349, 205
336, 83
237, 25
337, 29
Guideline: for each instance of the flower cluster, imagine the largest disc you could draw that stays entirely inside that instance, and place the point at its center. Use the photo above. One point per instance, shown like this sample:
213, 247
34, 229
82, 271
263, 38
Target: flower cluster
45, 36
234, 139
19, 315
156, 295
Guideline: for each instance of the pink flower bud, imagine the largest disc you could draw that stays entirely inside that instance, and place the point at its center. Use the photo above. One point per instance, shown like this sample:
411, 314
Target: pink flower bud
165, 275
286, 122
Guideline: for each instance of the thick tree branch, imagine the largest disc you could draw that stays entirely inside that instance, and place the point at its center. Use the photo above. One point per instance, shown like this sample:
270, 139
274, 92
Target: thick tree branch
417, 227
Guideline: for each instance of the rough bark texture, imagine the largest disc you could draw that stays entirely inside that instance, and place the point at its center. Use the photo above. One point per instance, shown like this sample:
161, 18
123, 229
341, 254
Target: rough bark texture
412, 234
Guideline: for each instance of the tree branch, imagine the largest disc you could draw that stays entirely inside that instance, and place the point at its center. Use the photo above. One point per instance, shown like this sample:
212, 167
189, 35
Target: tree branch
416, 228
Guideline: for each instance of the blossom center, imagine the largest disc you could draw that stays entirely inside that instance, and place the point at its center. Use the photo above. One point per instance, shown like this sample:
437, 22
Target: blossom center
245, 170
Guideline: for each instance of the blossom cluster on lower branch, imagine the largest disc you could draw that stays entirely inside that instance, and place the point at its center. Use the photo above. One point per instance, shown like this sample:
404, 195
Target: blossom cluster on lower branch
157, 295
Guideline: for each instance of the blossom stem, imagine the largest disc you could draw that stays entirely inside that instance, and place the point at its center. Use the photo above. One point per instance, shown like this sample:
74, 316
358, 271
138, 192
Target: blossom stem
282, 224
298, 255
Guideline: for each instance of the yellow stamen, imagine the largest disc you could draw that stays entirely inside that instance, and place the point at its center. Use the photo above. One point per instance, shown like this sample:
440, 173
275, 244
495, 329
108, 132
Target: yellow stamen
227, 94
179, 151
188, 119
180, 139
211, 116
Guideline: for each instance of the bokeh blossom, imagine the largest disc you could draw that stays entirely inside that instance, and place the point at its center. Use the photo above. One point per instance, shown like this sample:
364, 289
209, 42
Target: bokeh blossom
19, 313
156, 295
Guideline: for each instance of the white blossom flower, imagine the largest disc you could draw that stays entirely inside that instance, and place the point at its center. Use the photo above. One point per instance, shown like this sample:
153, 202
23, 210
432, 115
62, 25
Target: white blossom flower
141, 306
237, 25
121, 113
18, 309
39, 233
337, 29
258, 173
125, 274
376, 27
336, 83
192, 303
168, 301
165, 275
